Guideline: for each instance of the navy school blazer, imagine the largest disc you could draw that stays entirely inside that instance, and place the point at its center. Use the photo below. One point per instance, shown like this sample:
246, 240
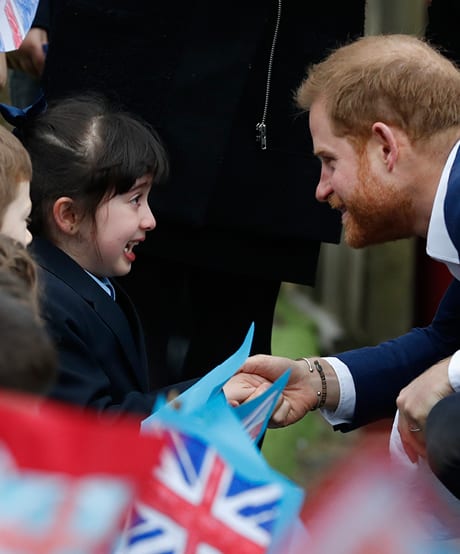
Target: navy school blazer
100, 343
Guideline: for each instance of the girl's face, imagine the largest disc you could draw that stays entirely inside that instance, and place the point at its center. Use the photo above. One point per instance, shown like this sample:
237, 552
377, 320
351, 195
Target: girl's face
17, 214
121, 223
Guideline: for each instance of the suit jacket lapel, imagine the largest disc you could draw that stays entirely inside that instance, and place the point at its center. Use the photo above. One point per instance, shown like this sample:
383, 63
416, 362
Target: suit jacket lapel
124, 325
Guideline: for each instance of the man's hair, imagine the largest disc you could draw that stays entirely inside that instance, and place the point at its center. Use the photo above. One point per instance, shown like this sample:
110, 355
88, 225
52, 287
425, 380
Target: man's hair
15, 167
397, 79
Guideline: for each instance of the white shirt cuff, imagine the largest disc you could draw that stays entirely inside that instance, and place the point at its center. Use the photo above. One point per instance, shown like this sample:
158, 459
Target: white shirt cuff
454, 371
347, 398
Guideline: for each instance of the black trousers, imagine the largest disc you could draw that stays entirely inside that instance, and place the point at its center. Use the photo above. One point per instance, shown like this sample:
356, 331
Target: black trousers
195, 318
443, 442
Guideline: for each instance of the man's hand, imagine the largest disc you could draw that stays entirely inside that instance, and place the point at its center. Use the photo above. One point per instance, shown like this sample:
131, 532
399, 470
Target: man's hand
298, 397
30, 56
415, 402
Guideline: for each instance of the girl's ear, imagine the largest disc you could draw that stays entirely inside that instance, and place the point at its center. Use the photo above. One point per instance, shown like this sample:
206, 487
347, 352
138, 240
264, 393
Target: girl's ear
65, 215
388, 144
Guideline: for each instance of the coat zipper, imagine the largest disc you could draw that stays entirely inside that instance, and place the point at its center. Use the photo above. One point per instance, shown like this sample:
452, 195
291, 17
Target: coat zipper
261, 128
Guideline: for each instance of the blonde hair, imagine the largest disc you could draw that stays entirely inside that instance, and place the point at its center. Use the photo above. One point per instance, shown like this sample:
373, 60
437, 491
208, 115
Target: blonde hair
15, 167
397, 79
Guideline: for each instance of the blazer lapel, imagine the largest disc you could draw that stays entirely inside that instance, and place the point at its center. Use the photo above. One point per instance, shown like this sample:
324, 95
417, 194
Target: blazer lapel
123, 324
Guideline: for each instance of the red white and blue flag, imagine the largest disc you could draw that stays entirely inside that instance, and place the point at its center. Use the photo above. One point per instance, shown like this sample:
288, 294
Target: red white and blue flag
363, 505
212, 492
198, 503
16, 18
67, 479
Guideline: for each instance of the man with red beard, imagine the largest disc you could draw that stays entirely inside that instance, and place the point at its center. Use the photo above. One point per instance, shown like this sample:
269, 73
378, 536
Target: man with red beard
385, 121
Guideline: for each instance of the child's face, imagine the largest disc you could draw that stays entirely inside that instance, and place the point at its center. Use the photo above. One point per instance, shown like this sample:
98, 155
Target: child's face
121, 224
17, 214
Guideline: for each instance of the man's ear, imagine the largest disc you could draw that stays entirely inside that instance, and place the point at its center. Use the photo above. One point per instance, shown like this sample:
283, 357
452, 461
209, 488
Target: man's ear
387, 142
65, 215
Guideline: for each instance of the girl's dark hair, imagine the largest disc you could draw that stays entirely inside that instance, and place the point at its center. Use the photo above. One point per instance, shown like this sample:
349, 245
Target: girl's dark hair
88, 149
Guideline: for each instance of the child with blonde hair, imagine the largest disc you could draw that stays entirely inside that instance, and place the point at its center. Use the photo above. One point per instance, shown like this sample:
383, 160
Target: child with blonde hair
15, 176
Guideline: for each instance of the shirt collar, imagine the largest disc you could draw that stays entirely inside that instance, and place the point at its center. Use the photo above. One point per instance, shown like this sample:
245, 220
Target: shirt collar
104, 283
439, 245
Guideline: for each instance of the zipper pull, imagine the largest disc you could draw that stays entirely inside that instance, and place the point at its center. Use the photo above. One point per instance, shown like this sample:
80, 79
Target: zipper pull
261, 135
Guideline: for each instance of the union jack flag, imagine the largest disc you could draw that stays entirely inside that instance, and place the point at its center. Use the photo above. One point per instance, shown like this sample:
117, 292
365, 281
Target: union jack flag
196, 503
16, 18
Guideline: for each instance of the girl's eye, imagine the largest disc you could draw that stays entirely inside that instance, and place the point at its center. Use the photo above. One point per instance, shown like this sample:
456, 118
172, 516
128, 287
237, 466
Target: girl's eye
135, 199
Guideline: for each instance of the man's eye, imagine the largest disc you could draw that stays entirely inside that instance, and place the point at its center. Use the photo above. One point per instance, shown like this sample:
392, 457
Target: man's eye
329, 162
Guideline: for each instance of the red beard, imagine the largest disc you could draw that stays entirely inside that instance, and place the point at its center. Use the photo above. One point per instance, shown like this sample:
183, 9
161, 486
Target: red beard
377, 212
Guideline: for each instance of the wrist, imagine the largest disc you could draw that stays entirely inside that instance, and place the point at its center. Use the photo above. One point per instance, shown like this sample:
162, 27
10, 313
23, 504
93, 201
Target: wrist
323, 380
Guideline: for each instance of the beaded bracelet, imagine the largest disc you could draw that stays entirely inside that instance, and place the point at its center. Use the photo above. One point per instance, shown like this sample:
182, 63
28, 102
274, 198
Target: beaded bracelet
319, 367
322, 394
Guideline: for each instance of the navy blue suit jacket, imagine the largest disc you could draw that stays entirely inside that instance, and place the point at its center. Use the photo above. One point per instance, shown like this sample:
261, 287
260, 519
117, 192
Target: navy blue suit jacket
102, 359
380, 372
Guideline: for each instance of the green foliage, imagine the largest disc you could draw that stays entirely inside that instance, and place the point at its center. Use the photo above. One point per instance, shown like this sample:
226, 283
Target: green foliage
294, 335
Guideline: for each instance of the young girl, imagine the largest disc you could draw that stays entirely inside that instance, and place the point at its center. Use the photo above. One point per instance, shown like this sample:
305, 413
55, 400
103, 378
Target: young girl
93, 167
93, 170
